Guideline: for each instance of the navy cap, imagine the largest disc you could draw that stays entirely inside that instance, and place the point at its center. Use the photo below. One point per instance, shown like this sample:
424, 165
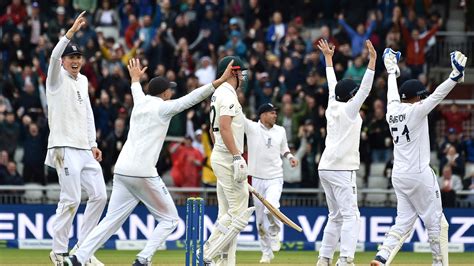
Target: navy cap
266, 107
157, 85
412, 88
72, 49
345, 90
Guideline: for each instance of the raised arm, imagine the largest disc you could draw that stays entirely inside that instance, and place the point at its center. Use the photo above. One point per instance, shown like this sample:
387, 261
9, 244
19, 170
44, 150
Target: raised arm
390, 60
196, 96
136, 71
328, 51
54, 69
353, 107
458, 63
346, 26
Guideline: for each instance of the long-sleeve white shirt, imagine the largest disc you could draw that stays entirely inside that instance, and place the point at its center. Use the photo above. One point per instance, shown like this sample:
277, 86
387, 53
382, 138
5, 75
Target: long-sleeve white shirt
293, 174
266, 146
409, 127
70, 116
149, 123
344, 125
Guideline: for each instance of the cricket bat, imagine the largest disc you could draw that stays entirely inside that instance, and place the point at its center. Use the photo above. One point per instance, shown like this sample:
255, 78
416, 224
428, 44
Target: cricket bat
276, 212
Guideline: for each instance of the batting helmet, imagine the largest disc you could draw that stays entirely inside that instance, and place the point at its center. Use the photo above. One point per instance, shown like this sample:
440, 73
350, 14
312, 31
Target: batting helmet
412, 88
345, 90
237, 64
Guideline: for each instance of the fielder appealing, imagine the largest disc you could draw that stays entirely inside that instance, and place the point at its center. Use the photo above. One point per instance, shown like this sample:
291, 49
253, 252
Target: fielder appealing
227, 127
415, 183
71, 139
340, 159
135, 176
267, 144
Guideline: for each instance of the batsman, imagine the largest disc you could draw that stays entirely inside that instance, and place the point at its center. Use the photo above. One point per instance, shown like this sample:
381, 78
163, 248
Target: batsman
227, 130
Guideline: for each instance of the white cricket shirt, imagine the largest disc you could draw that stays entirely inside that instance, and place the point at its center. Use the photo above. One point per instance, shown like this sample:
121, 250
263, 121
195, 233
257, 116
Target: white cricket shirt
70, 117
149, 124
409, 127
224, 102
266, 146
344, 125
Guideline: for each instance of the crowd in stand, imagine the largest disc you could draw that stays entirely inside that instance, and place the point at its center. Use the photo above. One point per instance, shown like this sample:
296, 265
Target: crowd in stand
183, 40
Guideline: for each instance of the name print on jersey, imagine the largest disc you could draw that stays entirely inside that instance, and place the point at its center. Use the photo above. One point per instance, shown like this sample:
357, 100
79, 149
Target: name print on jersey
396, 118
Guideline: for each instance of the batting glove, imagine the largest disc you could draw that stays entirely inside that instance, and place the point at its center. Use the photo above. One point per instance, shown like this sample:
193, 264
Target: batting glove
458, 62
240, 169
390, 59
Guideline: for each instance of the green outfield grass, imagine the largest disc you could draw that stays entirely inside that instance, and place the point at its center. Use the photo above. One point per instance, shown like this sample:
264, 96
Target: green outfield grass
176, 257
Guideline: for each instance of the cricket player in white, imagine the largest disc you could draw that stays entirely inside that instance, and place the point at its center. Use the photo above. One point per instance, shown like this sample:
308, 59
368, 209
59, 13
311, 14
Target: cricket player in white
414, 181
267, 145
227, 128
135, 176
72, 147
340, 159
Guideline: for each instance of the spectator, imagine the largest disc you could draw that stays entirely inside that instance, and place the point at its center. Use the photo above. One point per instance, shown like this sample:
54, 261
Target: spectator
454, 160
9, 134
187, 164
415, 46
356, 71
449, 184
358, 36
111, 147
452, 139
379, 135
3, 163
33, 158
206, 73
236, 45
454, 118
292, 175
108, 20
276, 32
12, 177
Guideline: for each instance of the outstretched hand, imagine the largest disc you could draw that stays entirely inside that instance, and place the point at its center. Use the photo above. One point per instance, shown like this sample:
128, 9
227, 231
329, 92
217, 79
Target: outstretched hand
371, 49
135, 70
327, 49
78, 23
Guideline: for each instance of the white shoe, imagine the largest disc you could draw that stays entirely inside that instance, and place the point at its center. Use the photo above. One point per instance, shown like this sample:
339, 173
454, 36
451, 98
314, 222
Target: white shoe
275, 243
93, 261
56, 258
343, 261
267, 258
323, 261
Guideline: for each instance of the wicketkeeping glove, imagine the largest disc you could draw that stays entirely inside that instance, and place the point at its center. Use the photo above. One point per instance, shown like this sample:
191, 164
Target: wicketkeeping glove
240, 169
390, 59
458, 62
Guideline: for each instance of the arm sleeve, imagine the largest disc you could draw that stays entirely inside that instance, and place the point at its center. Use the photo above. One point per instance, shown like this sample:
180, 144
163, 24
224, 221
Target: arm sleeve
173, 107
54, 69
137, 91
332, 81
353, 107
248, 126
369, 30
302, 149
190, 129
424, 107
90, 125
348, 28
284, 143
430, 33
392, 92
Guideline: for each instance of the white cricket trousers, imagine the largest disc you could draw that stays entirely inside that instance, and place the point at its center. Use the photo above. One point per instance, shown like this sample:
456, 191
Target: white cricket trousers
417, 195
76, 168
127, 192
232, 197
344, 217
267, 224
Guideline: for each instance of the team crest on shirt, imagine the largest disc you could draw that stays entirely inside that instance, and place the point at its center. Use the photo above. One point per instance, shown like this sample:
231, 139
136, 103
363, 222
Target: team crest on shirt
232, 105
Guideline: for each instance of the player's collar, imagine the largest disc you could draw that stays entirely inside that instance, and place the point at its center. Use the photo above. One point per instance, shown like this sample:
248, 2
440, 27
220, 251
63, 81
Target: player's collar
229, 87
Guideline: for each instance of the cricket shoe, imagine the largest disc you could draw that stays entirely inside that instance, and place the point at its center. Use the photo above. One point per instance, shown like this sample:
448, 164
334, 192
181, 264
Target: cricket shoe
378, 261
323, 261
93, 261
267, 258
57, 258
138, 262
345, 261
71, 261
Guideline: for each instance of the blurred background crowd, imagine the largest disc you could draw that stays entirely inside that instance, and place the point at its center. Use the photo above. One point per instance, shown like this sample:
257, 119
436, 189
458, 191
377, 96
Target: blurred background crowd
184, 39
